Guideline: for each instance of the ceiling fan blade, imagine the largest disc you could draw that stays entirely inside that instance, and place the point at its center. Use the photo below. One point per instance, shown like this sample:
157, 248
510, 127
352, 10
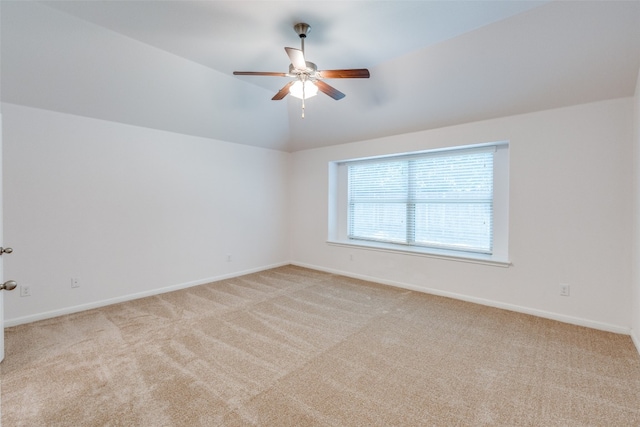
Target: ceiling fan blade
357, 73
258, 73
329, 90
297, 58
283, 92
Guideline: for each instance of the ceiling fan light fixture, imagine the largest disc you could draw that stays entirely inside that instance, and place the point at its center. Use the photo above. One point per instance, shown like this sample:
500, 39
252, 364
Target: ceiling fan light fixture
310, 89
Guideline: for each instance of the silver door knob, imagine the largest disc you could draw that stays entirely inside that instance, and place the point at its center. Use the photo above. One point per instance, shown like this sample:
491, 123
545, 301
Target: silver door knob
9, 285
5, 250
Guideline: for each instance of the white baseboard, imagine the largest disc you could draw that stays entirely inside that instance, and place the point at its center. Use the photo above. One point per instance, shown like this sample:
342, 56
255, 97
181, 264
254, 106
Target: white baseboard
130, 297
635, 339
520, 309
511, 307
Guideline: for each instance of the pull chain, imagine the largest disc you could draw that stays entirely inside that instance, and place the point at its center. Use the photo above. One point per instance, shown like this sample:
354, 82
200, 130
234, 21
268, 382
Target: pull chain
303, 86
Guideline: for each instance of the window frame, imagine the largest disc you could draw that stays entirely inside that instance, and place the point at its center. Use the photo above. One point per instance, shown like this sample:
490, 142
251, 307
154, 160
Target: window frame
338, 208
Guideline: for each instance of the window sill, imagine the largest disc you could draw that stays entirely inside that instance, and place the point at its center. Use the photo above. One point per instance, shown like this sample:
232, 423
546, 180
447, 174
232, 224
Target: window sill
425, 252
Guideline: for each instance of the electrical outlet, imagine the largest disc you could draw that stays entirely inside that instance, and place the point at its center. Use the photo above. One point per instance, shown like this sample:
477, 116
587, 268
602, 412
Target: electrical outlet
228, 258
564, 289
25, 290
75, 282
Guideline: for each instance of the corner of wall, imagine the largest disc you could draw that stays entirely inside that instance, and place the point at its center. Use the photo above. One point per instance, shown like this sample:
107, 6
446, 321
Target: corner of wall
635, 253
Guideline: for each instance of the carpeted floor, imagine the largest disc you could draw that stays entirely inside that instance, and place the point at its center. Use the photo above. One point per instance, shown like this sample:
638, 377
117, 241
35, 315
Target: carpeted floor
292, 346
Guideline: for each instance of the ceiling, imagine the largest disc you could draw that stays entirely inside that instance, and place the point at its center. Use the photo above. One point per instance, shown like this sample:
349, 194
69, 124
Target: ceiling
168, 64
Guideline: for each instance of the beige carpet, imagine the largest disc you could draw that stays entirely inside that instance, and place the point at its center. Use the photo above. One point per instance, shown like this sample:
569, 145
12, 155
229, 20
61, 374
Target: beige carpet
292, 346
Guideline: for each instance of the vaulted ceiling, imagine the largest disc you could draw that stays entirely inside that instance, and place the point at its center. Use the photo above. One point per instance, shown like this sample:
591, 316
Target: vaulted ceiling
168, 64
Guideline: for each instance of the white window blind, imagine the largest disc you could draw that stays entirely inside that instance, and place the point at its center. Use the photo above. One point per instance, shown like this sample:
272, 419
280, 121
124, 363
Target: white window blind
438, 200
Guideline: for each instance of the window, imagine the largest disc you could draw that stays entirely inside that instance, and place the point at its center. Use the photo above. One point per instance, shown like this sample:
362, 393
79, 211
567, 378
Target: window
446, 202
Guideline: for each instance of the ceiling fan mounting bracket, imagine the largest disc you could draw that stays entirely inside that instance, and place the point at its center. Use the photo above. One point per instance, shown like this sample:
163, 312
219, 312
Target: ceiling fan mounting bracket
302, 29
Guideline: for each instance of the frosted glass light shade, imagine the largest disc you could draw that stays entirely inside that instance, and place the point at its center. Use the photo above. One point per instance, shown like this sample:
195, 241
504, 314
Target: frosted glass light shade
309, 89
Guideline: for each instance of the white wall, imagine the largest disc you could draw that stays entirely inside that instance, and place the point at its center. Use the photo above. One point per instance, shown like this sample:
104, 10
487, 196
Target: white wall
570, 216
131, 211
134, 211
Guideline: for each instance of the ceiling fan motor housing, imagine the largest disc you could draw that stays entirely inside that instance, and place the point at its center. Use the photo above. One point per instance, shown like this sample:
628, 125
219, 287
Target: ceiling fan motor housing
311, 71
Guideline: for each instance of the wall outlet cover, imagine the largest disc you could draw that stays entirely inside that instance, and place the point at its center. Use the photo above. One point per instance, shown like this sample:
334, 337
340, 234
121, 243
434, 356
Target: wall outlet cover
25, 290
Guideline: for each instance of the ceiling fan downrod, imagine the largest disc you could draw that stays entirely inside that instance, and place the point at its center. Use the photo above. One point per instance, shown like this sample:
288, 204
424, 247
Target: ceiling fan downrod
302, 29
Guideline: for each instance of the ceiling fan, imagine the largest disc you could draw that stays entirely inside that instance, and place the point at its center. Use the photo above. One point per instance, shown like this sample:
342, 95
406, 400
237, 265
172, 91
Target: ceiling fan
307, 79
